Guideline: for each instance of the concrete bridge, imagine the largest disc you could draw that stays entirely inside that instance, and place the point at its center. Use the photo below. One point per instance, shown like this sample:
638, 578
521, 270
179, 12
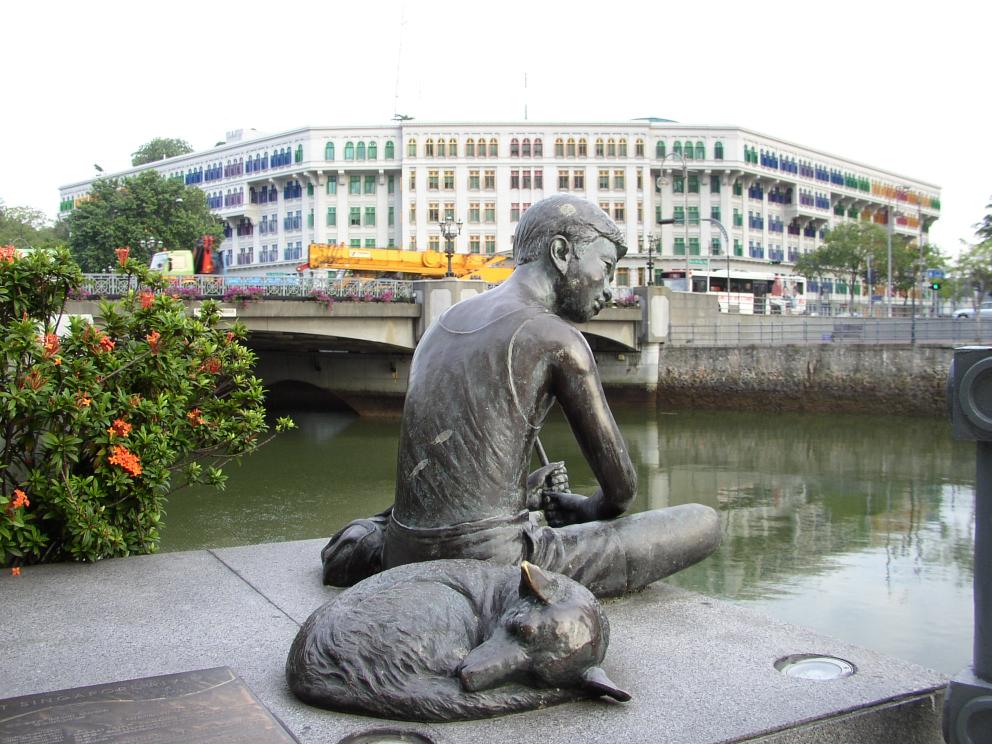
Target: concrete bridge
675, 349
360, 352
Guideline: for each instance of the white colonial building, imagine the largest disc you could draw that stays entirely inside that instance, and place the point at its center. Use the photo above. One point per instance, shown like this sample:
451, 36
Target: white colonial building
390, 186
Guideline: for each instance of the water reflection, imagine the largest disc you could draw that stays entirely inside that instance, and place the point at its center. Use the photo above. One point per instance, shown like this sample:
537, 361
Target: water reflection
860, 527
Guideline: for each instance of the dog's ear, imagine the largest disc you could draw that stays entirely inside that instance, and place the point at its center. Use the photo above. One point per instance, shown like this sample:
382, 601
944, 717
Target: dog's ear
535, 583
595, 680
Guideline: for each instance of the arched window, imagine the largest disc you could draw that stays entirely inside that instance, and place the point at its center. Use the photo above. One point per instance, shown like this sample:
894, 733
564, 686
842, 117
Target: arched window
600, 151
494, 148
452, 148
470, 148
559, 148
349, 151
611, 148
583, 149
429, 148
570, 147
373, 151
525, 148
360, 151
390, 150
514, 148
411, 148
252, 195
639, 148
538, 147
718, 151
480, 151
299, 154
440, 147
688, 150
676, 148
623, 147
700, 151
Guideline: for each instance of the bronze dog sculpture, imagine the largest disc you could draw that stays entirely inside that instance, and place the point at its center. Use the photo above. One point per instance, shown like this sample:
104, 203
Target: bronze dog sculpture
453, 640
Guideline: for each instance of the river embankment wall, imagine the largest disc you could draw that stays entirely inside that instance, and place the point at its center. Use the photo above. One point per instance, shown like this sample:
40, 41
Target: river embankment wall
903, 380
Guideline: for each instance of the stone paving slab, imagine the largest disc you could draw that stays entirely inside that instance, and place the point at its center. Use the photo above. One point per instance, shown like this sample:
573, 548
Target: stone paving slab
700, 670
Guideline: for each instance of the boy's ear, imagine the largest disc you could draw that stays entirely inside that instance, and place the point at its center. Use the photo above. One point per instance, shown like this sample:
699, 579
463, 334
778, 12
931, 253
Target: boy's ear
561, 252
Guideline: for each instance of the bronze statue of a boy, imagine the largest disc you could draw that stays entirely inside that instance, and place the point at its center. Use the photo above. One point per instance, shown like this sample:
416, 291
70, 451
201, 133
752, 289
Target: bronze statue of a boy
482, 381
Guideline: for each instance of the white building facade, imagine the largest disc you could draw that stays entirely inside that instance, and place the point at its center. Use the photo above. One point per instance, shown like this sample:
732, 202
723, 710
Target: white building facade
390, 186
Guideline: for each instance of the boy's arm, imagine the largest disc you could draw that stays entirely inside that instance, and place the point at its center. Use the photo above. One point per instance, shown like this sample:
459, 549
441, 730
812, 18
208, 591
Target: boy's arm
575, 383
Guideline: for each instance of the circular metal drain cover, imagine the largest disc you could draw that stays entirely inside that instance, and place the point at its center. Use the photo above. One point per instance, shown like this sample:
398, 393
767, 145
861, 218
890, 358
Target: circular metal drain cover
814, 666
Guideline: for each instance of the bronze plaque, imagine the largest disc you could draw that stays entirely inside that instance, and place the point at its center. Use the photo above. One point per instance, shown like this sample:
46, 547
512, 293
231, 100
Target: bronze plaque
208, 705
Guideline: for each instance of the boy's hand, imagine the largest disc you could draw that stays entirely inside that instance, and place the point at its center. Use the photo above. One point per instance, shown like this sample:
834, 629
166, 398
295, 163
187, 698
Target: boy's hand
551, 477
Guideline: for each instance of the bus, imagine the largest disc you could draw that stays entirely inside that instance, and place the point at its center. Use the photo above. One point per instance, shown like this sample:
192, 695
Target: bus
750, 292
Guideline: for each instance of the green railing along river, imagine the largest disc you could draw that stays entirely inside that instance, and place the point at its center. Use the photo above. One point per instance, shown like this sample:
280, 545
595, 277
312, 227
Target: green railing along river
860, 527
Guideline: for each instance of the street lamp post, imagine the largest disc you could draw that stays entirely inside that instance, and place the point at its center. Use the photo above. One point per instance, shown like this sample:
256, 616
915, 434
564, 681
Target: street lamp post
726, 250
888, 250
450, 230
653, 240
685, 202
151, 244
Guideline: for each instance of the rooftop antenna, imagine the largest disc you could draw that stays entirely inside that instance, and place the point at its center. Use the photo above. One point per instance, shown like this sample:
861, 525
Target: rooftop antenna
525, 96
399, 60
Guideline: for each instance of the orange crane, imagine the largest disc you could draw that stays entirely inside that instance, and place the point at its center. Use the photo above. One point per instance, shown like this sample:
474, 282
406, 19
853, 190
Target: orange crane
401, 264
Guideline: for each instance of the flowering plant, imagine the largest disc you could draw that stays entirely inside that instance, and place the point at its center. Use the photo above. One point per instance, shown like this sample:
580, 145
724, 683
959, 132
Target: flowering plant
102, 422
241, 296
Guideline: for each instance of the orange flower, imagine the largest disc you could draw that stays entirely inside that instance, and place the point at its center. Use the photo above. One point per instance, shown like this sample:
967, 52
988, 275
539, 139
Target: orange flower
83, 400
194, 417
15, 571
107, 343
229, 336
51, 343
34, 380
126, 460
153, 339
20, 499
122, 254
134, 400
146, 298
8, 253
120, 428
57, 361
211, 365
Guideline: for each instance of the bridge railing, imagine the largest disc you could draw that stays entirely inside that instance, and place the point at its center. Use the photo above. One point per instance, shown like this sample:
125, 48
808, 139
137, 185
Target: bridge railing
263, 287
806, 330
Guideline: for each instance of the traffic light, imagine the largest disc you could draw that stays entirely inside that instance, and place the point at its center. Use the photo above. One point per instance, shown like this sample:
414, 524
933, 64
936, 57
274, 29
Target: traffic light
935, 285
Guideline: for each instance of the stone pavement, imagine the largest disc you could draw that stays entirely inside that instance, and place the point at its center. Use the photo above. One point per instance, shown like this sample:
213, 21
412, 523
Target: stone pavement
701, 670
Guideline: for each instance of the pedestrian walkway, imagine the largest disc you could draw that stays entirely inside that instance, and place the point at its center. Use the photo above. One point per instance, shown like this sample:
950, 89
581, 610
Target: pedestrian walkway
700, 670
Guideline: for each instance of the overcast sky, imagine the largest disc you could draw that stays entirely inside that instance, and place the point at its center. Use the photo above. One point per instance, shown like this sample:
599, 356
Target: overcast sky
900, 86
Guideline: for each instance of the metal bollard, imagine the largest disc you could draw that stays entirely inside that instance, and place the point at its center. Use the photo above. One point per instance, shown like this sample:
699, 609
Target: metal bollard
968, 703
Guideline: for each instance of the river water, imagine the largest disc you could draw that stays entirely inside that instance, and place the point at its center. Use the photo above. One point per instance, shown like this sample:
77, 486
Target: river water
859, 527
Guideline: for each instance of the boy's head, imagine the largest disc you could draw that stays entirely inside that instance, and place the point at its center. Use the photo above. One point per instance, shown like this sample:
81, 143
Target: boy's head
577, 220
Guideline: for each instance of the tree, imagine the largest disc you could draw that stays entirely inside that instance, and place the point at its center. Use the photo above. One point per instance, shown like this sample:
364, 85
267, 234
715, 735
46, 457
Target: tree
812, 266
123, 212
974, 270
160, 148
25, 227
99, 424
983, 229
845, 251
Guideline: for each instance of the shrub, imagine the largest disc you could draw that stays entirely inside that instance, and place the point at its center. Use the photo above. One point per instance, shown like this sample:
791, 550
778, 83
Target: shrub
323, 298
100, 424
243, 295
